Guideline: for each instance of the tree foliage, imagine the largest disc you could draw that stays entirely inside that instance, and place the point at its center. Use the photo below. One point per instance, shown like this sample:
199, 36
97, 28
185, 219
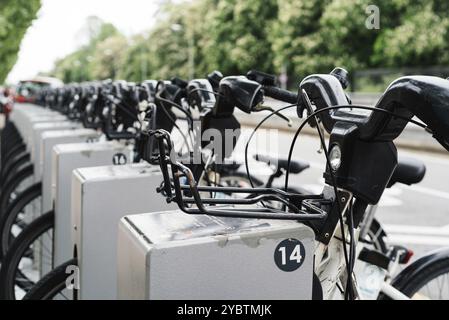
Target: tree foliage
238, 32
420, 40
15, 18
297, 36
89, 61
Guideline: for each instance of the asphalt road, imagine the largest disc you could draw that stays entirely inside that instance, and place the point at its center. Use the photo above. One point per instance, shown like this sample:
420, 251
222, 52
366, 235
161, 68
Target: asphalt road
416, 216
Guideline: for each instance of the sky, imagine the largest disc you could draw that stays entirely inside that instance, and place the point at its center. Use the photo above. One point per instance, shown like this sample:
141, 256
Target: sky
58, 29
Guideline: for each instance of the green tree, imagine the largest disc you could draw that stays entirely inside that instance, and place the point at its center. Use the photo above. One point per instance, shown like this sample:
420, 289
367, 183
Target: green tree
15, 18
233, 36
295, 36
108, 57
315, 36
239, 35
421, 40
137, 64
80, 66
169, 49
74, 67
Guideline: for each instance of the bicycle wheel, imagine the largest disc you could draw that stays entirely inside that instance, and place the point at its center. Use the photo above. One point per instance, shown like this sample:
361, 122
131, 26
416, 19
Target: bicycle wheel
431, 281
18, 182
9, 142
13, 166
54, 285
18, 149
18, 273
14, 144
18, 215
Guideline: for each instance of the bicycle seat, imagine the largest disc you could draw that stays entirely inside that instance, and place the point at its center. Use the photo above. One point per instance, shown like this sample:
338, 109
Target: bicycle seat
408, 171
295, 166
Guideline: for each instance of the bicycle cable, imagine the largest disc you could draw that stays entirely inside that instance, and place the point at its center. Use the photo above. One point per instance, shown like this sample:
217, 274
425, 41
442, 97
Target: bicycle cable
334, 183
170, 118
253, 133
251, 136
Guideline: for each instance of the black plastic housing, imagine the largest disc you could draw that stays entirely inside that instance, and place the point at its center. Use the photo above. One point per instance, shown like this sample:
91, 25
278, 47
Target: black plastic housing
366, 167
222, 126
237, 91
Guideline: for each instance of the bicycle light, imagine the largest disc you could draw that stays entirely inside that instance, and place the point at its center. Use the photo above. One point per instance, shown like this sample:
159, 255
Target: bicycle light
335, 157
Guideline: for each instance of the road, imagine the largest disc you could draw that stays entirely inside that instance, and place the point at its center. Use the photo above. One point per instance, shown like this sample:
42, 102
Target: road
416, 216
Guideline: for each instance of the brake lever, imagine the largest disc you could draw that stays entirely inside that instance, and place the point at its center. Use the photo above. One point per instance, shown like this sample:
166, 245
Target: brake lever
315, 121
260, 108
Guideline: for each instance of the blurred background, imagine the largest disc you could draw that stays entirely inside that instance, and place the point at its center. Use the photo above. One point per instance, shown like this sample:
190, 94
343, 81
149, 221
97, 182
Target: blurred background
139, 39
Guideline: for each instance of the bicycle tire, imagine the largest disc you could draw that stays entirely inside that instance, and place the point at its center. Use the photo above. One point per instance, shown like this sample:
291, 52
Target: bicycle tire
51, 284
12, 184
13, 166
7, 221
427, 274
13, 141
18, 249
18, 149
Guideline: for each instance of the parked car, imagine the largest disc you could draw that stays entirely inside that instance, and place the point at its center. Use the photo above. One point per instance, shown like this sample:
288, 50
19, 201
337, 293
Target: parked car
27, 90
5, 100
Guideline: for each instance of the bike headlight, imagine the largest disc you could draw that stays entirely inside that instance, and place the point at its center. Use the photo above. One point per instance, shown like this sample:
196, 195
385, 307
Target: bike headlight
335, 157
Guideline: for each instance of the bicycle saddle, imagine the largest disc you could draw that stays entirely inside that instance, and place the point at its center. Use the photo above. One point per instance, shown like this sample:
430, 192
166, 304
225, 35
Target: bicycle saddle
408, 171
295, 166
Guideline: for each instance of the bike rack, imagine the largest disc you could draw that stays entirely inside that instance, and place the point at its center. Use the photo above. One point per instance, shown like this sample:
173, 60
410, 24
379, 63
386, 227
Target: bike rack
301, 207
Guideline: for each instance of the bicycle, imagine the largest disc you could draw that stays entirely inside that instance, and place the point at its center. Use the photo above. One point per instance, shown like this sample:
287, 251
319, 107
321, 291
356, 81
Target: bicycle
354, 140
117, 93
322, 212
227, 173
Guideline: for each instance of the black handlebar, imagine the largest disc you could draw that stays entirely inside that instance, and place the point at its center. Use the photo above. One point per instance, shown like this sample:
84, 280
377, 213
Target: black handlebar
281, 94
422, 96
268, 81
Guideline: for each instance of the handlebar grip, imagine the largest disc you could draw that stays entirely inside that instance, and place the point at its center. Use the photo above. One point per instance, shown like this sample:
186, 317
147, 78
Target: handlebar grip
281, 94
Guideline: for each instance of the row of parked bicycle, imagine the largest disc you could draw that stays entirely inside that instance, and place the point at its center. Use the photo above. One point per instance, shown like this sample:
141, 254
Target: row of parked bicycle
103, 194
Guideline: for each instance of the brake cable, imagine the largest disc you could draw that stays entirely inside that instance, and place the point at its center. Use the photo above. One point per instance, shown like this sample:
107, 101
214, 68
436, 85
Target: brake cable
274, 112
158, 96
334, 183
352, 247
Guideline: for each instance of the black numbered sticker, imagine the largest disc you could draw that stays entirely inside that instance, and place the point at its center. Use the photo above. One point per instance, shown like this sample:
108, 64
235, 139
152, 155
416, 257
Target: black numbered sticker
119, 159
289, 255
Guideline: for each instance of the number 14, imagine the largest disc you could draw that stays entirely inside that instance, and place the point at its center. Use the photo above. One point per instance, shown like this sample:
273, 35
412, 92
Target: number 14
294, 256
